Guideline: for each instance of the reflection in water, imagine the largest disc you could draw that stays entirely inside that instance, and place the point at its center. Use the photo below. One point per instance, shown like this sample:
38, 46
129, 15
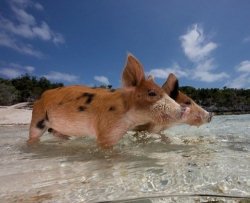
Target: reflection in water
213, 159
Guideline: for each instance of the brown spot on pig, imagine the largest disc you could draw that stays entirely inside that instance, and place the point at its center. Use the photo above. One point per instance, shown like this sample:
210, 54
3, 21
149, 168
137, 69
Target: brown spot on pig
89, 97
82, 108
40, 124
112, 108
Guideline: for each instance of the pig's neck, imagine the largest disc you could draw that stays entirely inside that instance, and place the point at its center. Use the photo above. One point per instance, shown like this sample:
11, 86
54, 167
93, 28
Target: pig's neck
133, 116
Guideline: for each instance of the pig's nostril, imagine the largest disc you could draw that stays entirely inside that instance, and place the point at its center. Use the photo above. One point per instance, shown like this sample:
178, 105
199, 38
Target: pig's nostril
183, 109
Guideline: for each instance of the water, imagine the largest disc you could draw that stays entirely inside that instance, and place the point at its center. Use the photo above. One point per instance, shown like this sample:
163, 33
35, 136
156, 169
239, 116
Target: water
206, 164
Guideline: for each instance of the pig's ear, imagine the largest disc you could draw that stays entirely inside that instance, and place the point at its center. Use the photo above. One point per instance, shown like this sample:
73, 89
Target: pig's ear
133, 73
171, 86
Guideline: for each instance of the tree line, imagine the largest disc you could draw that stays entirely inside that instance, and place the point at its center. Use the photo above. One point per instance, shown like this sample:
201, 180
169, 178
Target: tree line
25, 88
28, 88
225, 100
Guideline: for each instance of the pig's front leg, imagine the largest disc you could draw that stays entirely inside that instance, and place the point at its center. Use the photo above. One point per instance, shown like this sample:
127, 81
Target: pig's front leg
108, 138
38, 123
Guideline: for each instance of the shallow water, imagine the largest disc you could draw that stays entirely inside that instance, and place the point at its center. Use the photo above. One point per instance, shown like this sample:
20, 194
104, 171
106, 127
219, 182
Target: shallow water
206, 164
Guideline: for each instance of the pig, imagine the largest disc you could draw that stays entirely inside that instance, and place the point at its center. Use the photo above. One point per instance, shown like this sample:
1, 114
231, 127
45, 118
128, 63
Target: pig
103, 113
197, 115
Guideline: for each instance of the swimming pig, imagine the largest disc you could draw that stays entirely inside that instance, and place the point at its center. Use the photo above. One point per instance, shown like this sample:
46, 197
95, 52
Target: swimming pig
197, 115
105, 114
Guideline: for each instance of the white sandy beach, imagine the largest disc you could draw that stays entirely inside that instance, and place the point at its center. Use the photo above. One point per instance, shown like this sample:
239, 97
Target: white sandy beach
17, 114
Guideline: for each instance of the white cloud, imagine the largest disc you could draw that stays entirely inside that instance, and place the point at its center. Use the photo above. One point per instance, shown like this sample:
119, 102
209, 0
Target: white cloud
195, 44
22, 30
13, 70
23, 4
159, 73
243, 80
244, 66
205, 65
42, 31
21, 15
102, 79
38, 6
202, 72
206, 76
24, 25
30, 69
28, 29
163, 73
10, 72
198, 49
12, 43
58, 76
58, 38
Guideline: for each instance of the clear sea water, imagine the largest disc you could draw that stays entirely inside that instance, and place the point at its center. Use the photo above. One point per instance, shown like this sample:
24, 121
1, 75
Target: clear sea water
206, 164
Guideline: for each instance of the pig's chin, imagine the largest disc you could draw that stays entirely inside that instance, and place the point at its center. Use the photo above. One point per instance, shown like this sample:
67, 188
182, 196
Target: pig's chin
196, 120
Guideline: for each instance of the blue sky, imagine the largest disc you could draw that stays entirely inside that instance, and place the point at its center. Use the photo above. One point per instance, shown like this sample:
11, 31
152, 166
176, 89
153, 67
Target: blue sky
205, 43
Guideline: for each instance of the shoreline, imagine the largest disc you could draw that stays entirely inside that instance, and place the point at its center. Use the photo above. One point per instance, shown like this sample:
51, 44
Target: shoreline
227, 113
20, 114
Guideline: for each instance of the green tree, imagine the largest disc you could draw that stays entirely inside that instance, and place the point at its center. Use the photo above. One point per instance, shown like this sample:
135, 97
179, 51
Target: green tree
8, 94
31, 88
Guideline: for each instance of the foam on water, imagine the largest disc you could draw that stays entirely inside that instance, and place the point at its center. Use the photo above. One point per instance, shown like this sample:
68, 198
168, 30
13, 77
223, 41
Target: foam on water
213, 159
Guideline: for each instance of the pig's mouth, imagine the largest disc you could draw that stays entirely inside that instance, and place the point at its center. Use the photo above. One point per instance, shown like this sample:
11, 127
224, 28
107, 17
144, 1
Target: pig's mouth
199, 119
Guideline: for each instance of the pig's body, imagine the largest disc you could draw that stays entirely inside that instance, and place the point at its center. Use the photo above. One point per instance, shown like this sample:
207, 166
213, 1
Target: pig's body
80, 111
196, 116
107, 115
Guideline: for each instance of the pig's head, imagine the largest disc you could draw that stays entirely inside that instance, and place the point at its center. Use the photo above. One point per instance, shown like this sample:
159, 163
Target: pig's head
197, 115
150, 101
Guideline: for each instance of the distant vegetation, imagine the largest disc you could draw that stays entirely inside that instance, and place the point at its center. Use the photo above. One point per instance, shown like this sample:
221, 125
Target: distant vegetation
226, 100
24, 88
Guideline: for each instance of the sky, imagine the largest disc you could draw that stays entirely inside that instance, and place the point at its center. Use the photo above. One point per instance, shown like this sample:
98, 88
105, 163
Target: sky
205, 43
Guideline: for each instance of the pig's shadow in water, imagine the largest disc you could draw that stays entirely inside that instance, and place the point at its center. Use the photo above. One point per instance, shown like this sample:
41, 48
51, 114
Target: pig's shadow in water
77, 150
83, 150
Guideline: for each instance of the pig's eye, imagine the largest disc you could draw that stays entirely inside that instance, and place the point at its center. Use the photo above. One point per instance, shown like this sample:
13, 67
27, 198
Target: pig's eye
152, 93
188, 102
